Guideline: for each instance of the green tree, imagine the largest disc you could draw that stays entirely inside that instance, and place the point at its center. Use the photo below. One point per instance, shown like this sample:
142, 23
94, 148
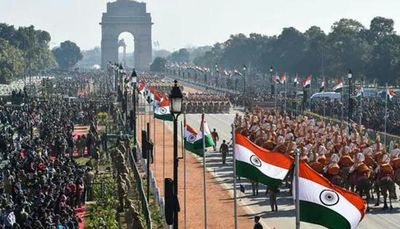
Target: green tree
67, 55
90, 58
347, 48
11, 62
182, 55
158, 64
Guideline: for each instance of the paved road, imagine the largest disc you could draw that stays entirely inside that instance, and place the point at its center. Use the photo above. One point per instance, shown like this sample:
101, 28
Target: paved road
259, 205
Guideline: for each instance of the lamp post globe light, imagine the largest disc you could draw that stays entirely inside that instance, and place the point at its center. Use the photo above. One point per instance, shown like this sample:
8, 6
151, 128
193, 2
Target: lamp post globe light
176, 108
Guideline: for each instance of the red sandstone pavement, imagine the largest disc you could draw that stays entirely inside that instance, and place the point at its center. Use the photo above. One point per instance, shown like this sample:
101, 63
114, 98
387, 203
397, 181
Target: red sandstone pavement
219, 202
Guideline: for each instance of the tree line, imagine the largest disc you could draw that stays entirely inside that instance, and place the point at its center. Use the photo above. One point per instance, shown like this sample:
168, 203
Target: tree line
373, 54
26, 51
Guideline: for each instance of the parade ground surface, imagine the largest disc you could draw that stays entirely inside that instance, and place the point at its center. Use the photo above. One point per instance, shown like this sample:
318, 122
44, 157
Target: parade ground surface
220, 185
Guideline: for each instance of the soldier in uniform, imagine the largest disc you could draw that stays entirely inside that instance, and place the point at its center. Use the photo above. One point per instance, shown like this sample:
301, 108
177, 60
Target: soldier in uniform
215, 138
385, 169
224, 151
332, 170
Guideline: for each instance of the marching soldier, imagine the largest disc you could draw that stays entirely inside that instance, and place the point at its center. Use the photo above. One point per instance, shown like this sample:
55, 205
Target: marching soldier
224, 149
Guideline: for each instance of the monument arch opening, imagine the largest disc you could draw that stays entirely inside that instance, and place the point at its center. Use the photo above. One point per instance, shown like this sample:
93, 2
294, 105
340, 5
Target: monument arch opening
126, 49
126, 16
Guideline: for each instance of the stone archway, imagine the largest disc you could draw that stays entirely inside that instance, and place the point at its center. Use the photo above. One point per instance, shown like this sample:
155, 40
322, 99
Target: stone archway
126, 16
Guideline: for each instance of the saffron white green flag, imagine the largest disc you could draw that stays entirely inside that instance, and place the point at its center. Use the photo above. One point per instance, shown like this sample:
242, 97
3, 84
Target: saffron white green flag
162, 110
338, 87
326, 204
194, 140
258, 164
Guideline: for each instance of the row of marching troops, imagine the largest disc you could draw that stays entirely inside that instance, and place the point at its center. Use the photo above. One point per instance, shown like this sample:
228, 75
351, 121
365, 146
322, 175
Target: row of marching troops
344, 155
206, 102
157, 82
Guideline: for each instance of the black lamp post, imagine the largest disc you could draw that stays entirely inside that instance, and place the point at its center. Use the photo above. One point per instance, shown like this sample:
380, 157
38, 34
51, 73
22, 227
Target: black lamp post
176, 98
350, 107
271, 70
244, 79
217, 75
133, 113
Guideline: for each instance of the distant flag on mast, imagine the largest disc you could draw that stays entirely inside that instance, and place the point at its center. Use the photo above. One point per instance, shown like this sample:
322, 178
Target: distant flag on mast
322, 87
296, 81
275, 79
339, 86
141, 88
359, 91
236, 72
282, 79
390, 92
193, 140
307, 81
162, 110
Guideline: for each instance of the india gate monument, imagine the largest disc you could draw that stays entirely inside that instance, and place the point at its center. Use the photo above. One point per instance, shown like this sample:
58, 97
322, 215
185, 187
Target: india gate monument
126, 16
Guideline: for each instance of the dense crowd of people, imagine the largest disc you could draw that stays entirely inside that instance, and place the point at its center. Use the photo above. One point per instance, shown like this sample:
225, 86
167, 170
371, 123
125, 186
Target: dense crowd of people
372, 112
42, 185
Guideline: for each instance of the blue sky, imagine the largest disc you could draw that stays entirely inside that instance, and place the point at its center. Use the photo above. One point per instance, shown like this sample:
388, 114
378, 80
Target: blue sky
185, 23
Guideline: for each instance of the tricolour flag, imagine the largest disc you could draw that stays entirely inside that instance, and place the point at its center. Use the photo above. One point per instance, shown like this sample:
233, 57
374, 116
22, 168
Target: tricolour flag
390, 92
326, 204
282, 79
236, 72
359, 92
258, 164
322, 87
162, 110
275, 79
295, 81
141, 88
339, 86
193, 140
307, 81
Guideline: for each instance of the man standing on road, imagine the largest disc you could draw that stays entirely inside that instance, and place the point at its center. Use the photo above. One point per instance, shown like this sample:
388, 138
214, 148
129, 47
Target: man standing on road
224, 151
215, 138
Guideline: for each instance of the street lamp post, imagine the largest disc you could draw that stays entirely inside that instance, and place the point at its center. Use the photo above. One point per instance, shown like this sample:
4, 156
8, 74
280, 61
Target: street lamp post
244, 79
271, 70
176, 98
350, 107
133, 114
216, 76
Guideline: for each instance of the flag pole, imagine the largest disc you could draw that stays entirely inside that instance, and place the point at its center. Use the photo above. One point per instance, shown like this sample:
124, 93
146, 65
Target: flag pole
163, 156
341, 94
234, 177
386, 113
204, 170
184, 169
285, 92
361, 101
323, 99
154, 146
296, 188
